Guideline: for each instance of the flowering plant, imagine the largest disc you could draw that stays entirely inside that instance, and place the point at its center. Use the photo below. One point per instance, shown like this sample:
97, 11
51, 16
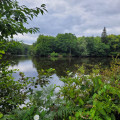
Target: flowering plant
36, 117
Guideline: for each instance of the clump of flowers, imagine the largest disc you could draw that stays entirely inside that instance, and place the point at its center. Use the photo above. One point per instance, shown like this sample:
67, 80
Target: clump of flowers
36, 117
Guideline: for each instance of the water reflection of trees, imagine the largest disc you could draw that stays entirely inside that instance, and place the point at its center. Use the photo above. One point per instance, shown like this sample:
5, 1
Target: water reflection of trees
62, 65
14, 60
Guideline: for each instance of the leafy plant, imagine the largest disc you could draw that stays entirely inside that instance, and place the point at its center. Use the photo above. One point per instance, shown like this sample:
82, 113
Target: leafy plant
12, 20
53, 54
12, 92
97, 94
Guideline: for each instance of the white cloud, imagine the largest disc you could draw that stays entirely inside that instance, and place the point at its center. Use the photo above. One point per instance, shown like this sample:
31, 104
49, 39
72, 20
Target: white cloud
24, 66
26, 38
80, 17
92, 31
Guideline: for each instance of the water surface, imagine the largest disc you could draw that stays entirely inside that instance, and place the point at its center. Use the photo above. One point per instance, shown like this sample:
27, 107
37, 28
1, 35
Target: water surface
32, 65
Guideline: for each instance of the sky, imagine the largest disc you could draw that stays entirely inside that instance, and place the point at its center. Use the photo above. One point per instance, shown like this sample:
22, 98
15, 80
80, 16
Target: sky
80, 17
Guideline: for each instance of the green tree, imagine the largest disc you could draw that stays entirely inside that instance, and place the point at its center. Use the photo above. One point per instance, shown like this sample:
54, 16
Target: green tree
17, 48
66, 43
104, 36
12, 20
114, 43
44, 45
91, 45
13, 17
82, 46
96, 47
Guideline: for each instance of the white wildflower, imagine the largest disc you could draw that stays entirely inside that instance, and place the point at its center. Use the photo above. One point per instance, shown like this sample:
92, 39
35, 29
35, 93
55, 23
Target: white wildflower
70, 73
22, 106
1, 106
36, 117
43, 109
83, 82
108, 82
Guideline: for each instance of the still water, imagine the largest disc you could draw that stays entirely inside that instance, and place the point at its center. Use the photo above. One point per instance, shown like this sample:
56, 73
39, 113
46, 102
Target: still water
32, 65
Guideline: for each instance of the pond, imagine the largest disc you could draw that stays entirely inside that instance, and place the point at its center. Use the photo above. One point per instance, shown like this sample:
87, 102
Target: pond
32, 65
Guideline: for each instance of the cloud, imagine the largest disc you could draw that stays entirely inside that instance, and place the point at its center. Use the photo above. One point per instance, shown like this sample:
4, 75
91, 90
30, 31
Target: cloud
26, 38
80, 17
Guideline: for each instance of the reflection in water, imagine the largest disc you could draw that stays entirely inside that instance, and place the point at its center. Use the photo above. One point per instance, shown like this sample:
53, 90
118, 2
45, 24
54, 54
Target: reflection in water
25, 66
62, 65
32, 65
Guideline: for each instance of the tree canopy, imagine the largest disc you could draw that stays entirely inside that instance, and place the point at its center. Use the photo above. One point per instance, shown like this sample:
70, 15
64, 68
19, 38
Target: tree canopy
12, 21
68, 44
13, 17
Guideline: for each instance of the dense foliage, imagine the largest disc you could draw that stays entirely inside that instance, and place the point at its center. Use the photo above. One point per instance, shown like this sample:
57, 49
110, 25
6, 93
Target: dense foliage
12, 20
17, 48
69, 45
11, 91
95, 96
13, 17
83, 97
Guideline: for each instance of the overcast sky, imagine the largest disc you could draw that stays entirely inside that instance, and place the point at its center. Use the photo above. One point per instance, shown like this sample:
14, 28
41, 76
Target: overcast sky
80, 17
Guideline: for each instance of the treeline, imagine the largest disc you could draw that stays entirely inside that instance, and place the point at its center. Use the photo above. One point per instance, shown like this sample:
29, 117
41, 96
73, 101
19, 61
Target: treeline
16, 48
69, 45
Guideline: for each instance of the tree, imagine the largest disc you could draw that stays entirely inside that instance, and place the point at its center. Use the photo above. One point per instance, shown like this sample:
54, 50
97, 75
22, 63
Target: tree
12, 20
66, 43
13, 17
82, 47
104, 36
114, 43
17, 48
91, 45
44, 45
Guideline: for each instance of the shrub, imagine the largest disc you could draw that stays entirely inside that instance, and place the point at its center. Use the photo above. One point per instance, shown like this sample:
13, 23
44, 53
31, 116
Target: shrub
97, 95
12, 93
53, 54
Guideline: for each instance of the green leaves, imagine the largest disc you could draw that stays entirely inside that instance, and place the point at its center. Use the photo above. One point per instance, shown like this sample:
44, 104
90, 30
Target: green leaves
13, 17
11, 94
44, 45
2, 52
97, 98
82, 97
1, 115
66, 43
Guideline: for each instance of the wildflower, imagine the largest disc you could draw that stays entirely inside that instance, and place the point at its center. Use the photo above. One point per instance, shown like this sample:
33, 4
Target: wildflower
22, 106
36, 117
43, 109
108, 82
70, 73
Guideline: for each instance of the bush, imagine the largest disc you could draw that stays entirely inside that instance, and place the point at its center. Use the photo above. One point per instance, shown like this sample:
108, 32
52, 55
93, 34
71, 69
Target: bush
12, 93
97, 95
53, 54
